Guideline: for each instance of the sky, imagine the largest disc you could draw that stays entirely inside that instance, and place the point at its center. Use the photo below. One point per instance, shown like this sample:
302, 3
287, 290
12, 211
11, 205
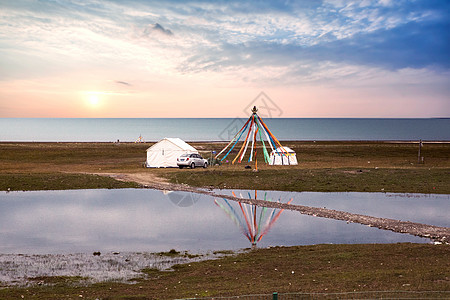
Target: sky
148, 59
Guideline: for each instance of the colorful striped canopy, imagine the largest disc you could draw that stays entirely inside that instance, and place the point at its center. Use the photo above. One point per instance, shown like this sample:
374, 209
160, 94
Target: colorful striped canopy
255, 128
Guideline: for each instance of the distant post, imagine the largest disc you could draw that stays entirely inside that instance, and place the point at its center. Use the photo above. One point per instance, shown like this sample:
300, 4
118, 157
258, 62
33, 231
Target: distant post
212, 161
419, 155
275, 296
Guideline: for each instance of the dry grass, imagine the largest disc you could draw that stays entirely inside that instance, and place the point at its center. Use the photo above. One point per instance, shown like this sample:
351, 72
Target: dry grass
323, 166
307, 269
333, 167
329, 166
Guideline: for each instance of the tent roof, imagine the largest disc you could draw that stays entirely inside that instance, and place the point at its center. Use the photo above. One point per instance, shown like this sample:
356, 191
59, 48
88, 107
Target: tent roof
176, 142
289, 150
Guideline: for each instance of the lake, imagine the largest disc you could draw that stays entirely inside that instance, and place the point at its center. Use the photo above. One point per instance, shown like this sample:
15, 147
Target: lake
218, 129
84, 221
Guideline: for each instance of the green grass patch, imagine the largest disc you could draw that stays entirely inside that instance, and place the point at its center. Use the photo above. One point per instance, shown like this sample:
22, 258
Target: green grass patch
323, 166
321, 180
170, 253
174, 253
58, 280
59, 181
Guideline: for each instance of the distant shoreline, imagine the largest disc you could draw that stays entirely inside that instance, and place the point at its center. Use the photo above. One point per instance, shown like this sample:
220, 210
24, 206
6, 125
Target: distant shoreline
222, 129
225, 142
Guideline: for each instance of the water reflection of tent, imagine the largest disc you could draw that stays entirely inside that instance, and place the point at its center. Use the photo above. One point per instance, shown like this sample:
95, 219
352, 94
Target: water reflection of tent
182, 199
257, 129
254, 221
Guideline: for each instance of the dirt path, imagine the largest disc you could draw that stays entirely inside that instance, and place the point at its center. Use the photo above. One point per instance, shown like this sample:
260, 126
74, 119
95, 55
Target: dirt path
436, 233
147, 180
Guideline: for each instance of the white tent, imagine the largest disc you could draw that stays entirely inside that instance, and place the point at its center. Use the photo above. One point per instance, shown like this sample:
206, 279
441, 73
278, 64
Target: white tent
286, 156
164, 153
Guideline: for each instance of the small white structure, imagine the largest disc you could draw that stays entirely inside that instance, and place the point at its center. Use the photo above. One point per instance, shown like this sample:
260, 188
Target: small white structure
286, 156
164, 153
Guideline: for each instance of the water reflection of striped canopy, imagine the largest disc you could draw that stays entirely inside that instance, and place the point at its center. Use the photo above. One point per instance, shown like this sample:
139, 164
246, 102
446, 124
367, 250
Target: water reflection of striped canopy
254, 221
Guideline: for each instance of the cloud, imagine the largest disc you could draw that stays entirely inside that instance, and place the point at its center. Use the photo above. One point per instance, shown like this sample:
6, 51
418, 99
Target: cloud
256, 43
408, 46
390, 34
157, 29
123, 83
385, 35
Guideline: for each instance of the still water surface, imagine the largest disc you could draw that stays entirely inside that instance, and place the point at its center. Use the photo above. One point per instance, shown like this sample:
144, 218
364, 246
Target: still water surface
149, 220
429, 209
218, 129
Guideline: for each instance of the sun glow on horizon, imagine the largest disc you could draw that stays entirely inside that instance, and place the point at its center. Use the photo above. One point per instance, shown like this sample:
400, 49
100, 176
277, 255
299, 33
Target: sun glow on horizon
93, 99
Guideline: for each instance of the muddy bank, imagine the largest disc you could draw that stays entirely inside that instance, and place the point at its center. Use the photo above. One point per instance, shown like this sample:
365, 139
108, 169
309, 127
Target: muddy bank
85, 268
436, 233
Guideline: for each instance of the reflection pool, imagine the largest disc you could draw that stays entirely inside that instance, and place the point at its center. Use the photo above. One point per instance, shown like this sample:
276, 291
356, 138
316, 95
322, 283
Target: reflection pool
429, 209
81, 221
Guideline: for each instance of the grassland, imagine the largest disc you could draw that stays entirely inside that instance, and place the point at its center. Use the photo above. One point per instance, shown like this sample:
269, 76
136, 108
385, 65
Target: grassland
323, 166
306, 269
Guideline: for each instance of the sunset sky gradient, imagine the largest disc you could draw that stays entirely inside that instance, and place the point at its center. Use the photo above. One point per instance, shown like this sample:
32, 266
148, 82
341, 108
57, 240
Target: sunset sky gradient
136, 58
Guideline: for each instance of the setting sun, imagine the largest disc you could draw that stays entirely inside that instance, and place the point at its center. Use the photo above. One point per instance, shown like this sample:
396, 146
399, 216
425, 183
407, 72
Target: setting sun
93, 100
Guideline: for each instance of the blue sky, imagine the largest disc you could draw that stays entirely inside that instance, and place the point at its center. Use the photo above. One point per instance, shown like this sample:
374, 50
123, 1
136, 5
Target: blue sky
379, 58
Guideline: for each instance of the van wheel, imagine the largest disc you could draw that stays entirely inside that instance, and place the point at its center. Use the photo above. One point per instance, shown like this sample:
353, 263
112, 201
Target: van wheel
181, 167
192, 166
205, 165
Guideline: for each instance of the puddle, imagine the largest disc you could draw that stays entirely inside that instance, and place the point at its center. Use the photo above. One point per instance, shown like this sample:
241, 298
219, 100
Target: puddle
54, 233
421, 208
84, 221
